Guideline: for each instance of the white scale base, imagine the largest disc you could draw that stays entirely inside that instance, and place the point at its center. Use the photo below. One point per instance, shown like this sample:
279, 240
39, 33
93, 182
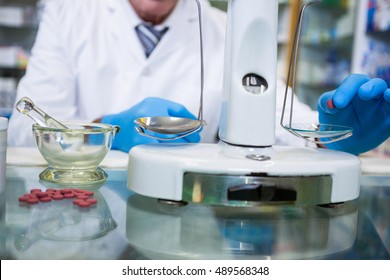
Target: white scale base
222, 174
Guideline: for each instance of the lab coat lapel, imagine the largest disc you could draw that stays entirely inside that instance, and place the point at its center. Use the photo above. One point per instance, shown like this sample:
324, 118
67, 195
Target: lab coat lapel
180, 25
123, 20
122, 27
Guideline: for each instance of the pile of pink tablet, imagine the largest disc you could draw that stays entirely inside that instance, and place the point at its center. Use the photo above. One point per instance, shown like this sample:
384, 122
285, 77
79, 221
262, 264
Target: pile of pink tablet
82, 198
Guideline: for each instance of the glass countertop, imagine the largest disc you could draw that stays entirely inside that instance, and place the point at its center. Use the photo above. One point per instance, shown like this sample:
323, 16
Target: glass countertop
124, 225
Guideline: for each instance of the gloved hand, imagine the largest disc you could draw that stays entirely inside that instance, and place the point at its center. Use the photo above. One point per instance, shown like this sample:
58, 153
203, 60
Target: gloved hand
128, 137
363, 104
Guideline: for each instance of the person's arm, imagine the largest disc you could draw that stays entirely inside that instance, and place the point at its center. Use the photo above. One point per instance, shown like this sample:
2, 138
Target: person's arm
49, 79
363, 104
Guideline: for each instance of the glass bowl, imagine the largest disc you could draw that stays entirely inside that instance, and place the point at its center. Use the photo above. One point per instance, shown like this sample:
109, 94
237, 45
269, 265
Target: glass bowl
74, 154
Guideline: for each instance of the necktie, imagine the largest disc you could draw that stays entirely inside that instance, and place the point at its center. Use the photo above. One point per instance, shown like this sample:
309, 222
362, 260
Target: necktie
149, 36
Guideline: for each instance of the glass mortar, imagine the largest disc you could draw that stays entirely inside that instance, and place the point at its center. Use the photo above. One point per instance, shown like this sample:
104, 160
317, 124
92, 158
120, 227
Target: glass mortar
74, 153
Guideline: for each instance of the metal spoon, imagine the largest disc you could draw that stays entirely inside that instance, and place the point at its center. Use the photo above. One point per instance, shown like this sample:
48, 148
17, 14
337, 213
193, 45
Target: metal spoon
174, 127
169, 125
316, 133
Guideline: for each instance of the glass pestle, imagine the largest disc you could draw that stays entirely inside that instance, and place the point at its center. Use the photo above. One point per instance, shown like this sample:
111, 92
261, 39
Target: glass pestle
27, 107
68, 141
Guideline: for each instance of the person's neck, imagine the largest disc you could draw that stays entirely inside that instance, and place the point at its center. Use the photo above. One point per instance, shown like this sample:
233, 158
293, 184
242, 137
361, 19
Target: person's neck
154, 19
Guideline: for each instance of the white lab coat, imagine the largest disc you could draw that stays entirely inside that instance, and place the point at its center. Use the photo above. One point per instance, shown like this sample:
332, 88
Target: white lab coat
87, 62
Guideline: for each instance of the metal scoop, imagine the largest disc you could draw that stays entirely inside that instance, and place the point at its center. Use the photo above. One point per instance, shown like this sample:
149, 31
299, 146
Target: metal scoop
316, 133
172, 128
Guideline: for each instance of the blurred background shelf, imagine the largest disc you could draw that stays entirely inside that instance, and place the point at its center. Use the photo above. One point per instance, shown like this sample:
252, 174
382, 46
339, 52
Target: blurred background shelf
19, 21
372, 53
327, 41
341, 37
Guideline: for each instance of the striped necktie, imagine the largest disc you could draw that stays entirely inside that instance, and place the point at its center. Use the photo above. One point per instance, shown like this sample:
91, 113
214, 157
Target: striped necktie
149, 36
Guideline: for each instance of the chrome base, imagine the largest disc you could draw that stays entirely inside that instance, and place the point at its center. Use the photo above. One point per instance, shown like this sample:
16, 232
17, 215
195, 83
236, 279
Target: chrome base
230, 190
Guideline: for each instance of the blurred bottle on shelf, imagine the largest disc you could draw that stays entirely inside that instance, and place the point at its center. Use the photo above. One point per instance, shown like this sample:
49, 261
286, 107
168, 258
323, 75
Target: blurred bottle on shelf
378, 15
19, 20
7, 95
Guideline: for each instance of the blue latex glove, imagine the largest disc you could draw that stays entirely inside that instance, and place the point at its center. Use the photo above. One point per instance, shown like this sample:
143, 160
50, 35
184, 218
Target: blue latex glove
363, 104
128, 137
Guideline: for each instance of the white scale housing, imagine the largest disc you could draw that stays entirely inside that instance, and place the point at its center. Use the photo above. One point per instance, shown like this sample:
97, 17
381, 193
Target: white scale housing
245, 168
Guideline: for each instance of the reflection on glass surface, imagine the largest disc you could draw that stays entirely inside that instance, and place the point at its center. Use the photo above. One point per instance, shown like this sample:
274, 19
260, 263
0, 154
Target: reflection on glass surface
375, 198
55, 221
202, 232
147, 229
63, 221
